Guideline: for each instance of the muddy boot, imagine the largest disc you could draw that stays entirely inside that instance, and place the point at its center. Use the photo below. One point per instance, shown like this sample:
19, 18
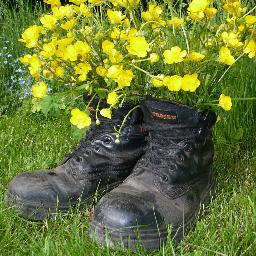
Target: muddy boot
167, 185
97, 164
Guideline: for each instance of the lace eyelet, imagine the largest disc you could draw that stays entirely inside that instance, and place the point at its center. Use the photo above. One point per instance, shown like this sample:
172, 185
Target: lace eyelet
97, 148
164, 178
78, 159
107, 140
194, 131
180, 157
87, 152
188, 147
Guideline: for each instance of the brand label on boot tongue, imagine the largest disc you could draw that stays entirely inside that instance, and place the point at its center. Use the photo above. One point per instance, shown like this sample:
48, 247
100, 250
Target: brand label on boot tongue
168, 116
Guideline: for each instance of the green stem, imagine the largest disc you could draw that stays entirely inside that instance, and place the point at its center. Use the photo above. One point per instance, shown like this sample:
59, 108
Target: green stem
125, 118
225, 72
142, 70
97, 110
253, 98
186, 38
141, 60
90, 101
248, 12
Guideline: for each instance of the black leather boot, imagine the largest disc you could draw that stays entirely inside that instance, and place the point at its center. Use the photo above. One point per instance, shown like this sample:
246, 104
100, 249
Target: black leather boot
97, 164
167, 185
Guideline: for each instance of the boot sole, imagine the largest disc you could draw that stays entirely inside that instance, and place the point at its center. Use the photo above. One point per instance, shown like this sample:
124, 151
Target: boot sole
38, 212
149, 239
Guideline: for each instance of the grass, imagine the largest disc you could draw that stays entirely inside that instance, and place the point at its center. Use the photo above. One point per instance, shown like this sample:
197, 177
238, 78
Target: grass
31, 141
28, 142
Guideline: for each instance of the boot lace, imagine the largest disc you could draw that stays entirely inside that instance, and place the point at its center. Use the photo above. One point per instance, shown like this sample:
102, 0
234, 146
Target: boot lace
85, 147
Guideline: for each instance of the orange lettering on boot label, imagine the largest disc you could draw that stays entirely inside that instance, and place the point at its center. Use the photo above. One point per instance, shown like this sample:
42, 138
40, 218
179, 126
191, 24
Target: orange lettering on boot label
164, 116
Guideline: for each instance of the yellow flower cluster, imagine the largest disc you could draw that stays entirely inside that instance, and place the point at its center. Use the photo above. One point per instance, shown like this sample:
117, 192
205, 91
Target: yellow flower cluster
199, 9
175, 83
126, 49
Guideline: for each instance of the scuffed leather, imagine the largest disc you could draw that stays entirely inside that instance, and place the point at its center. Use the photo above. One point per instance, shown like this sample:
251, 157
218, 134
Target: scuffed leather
96, 163
169, 182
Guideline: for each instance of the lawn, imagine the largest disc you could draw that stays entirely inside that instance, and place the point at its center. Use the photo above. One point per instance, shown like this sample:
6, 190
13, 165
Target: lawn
31, 141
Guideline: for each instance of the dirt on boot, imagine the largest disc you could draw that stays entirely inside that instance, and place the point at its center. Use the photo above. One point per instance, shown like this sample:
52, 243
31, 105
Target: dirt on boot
97, 164
167, 185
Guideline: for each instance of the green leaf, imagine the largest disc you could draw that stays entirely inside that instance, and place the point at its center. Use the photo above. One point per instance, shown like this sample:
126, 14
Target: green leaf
78, 134
51, 105
36, 105
102, 93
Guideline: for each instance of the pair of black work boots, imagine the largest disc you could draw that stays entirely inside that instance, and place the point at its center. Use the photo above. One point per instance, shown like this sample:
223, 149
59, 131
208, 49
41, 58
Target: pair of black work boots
156, 176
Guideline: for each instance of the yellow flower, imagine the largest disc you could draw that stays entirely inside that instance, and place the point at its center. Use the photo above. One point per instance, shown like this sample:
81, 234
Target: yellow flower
225, 102
125, 3
157, 81
138, 46
39, 90
114, 71
225, 56
59, 72
115, 56
30, 36
233, 7
77, 2
154, 57
126, 22
250, 20
70, 53
25, 59
241, 28
53, 2
35, 66
48, 50
95, 1
62, 45
153, 13
196, 9
195, 56
210, 12
190, 82
101, 71
82, 69
84, 10
231, 39
112, 98
82, 48
173, 82
47, 73
176, 22
63, 11
79, 118
115, 34
115, 17
69, 24
106, 112
175, 55
107, 46
125, 78
48, 21
250, 48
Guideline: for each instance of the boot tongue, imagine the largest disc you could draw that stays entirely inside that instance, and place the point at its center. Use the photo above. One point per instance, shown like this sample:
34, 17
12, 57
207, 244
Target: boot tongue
160, 113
